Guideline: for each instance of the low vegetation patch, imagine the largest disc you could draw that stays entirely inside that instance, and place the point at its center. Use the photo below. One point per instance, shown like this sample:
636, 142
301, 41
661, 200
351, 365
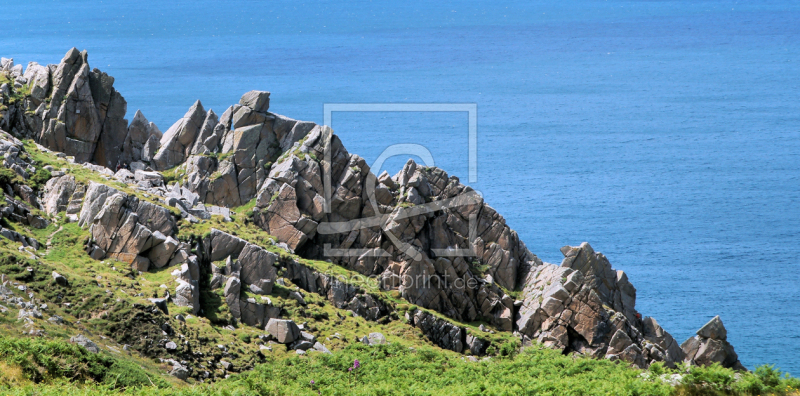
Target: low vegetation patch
380, 370
37, 360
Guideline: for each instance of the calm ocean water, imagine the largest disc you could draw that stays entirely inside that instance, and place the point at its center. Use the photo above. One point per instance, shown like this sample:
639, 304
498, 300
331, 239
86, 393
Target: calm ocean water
665, 133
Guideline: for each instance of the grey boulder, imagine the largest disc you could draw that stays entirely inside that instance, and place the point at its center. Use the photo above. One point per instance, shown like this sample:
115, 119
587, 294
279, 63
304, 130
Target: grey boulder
256, 100
284, 331
85, 342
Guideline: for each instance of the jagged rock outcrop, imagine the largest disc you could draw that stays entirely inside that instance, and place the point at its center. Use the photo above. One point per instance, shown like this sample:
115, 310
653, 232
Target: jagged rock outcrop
585, 306
127, 229
79, 103
249, 311
74, 109
115, 126
477, 346
20, 167
186, 201
282, 219
257, 314
710, 346
228, 157
258, 267
139, 233
220, 245
367, 306
667, 348
247, 265
213, 180
251, 267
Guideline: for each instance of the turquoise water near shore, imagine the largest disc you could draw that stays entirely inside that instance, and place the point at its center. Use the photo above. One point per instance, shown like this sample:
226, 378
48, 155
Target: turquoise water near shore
665, 133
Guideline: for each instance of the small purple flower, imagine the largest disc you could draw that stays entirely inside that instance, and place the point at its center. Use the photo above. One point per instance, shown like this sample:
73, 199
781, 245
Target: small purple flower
312, 382
356, 364
350, 369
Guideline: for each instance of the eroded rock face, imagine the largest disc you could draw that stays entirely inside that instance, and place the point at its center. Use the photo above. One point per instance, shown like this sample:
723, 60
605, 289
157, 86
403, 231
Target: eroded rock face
214, 181
341, 294
38, 77
84, 106
139, 132
585, 306
19, 211
667, 345
281, 218
441, 332
232, 293
248, 266
177, 141
57, 194
221, 245
256, 100
258, 266
110, 145
77, 125
187, 292
367, 306
257, 314
710, 346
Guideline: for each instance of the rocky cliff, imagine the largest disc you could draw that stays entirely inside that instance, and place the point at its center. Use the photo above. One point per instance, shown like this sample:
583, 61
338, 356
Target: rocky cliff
422, 233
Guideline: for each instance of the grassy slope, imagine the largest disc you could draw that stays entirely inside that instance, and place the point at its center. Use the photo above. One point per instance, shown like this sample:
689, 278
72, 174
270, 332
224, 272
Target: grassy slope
106, 302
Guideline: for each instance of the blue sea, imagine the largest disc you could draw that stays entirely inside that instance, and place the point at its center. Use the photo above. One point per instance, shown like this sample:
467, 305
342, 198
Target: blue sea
665, 133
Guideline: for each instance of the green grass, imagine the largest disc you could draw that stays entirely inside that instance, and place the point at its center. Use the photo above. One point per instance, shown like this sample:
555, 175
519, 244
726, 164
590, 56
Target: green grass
8, 176
296, 152
245, 212
174, 174
16, 94
219, 156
